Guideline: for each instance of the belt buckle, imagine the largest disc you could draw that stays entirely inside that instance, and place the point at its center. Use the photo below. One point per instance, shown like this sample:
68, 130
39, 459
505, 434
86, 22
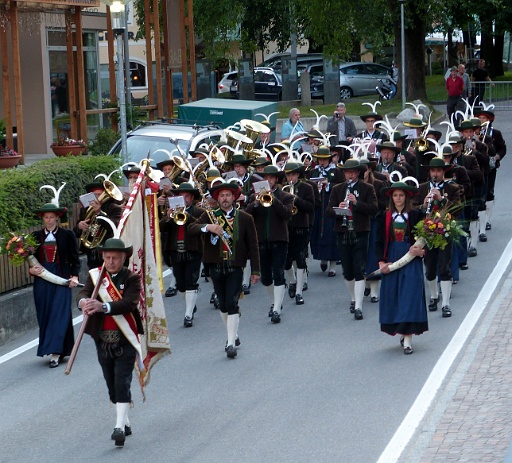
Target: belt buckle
225, 255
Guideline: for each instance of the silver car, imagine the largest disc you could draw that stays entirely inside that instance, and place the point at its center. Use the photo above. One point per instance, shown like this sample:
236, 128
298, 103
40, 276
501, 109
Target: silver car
357, 79
225, 83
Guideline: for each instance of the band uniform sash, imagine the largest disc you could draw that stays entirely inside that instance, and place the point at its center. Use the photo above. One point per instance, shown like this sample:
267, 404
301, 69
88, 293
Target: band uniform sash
125, 322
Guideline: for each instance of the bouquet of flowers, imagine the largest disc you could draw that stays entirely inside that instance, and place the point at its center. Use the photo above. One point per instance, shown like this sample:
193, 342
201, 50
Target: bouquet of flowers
438, 229
69, 142
18, 247
21, 248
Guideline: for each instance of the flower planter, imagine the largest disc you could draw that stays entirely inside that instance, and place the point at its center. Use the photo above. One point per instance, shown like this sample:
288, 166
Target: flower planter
6, 162
70, 150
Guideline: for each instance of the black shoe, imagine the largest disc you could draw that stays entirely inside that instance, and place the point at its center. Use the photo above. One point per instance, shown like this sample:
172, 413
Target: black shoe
374, 299
171, 291
231, 352
402, 341
488, 226
237, 344
187, 322
482, 237
127, 431
118, 436
292, 289
446, 311
472, 252
432, 305
331, 273
304, 287
352, 306
358, 314
54, 364
463, 266
246, 289
212, 298
323, 267
271, 311
367, 292
215, 301
408, 350
276, 318
299, 300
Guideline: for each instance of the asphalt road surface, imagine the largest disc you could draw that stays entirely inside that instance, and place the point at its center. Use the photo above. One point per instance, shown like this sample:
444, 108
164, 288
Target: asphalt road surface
318, 387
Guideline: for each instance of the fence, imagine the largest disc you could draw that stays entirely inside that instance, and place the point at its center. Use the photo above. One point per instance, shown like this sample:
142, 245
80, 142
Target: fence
12, 277
498, 93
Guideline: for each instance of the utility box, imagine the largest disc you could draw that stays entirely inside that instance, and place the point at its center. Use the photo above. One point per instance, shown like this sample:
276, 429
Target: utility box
225, 112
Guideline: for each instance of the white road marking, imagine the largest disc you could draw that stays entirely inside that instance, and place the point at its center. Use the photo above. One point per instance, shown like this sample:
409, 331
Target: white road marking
35, 342
421, 405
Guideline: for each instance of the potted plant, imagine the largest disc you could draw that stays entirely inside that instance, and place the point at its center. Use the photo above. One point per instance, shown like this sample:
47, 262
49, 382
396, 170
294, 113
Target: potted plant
8, 158
68, 147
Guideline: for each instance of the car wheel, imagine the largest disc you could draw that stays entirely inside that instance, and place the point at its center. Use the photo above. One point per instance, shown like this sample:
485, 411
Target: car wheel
346, 93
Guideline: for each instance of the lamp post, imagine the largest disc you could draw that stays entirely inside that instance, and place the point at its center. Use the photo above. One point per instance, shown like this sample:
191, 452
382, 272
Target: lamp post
117, 12
402, 39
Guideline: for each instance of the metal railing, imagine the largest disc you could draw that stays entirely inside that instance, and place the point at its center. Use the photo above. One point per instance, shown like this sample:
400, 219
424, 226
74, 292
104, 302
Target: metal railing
497, 93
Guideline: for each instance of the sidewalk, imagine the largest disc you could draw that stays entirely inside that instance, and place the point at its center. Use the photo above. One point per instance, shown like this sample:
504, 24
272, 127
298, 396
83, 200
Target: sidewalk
471, 419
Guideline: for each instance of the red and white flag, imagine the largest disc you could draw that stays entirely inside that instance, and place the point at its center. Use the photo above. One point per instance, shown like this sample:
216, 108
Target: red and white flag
137, 230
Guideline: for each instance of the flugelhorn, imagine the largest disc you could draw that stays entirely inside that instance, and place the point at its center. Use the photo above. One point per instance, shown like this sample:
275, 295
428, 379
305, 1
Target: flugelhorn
291, 190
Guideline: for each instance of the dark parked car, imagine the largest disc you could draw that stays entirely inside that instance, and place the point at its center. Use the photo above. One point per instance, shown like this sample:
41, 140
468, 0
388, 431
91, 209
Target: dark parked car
267, 85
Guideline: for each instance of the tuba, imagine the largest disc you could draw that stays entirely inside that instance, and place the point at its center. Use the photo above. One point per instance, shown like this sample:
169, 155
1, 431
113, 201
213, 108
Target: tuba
235, 140
96, 232
253, 129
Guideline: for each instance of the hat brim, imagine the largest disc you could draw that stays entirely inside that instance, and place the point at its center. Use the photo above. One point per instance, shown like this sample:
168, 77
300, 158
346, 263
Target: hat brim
233, 187
377, 117
396, 149
490, 115
409, 190
60, 211
128, 250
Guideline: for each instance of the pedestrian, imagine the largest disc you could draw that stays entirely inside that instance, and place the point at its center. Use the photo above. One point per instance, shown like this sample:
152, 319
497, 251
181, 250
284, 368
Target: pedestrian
114, 323
292, 128
57, 253
227, 256
402, 308
479, 77
341, 128
454, 87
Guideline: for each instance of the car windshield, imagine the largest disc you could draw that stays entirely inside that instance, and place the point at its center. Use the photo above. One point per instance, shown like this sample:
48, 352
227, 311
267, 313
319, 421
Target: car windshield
139, 145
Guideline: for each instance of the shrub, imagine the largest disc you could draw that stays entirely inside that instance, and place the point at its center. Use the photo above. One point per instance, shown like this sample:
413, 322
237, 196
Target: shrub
437, 68
105, 139
19, 188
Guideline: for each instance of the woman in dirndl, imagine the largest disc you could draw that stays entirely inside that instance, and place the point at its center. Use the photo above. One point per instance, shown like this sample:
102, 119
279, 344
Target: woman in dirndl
57, 253
402, 308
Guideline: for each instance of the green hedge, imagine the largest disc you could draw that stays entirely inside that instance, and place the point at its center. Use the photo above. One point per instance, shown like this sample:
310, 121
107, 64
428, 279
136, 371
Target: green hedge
19, 188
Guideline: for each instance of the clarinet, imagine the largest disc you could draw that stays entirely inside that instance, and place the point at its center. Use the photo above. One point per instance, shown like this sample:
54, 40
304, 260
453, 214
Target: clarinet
344, 220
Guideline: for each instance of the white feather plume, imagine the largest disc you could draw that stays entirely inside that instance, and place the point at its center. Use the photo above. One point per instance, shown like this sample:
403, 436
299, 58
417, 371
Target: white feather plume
417, 107
56, 193
373, 106
115, 231
318, 119
266, 118
386, 125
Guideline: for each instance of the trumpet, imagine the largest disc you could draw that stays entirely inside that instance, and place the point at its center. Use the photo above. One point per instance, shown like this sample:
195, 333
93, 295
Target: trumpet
420, 144
266, 198
291, 190
179, 215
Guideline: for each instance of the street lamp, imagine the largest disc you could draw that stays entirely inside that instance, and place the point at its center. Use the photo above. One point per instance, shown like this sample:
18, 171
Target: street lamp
118, 19
402, 39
